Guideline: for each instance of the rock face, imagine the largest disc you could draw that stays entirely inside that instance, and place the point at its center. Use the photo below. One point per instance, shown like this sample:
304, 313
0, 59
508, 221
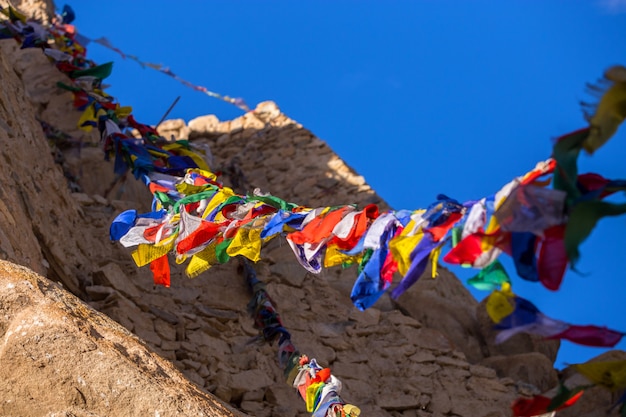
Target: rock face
61, 357
37, 213
431, 353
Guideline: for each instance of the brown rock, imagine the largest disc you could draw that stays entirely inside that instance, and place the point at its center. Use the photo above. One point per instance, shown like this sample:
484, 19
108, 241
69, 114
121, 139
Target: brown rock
201, 339
533, 368
95, 366
165, 331
170, 345
448, 361
482, 371
145, 330
203, 125
441, 402
422, 356
164, 315
82, 198
267, 111
290, 272
112, 275
253, 407
445, 304
394, 400
173, 128
359, 371
253, 379
487, 385
98, 292
369, 317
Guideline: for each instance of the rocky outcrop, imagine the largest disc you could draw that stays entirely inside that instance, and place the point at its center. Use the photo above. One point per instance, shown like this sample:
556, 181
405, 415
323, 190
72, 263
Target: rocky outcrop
61, 357
38, 216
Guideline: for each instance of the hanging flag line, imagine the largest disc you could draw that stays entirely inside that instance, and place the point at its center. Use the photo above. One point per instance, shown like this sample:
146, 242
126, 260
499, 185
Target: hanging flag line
317, 387
200, 220
39, 34
239, 102
540, 227
67, 16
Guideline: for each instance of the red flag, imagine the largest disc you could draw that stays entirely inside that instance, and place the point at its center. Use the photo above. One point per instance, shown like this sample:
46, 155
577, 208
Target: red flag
590, 336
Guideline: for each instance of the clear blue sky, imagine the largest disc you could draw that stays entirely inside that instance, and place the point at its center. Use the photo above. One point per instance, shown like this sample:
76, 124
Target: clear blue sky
420, 97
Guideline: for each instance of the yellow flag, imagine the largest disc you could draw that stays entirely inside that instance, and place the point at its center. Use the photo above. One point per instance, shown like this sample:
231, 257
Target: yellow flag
434, 260
334, 257
611, 374
202, 261
351, 410
247, 242
146, 253
610, 111
499, 304
311, 390
401, 248
195, 157
88, 115
402, 245
120, 111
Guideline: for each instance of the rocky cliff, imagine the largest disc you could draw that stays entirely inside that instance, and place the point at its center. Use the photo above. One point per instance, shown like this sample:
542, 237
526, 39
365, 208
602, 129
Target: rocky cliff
429, 354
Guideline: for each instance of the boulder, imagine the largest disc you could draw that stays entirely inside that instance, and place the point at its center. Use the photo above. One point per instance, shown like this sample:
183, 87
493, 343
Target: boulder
530, 368
61, 357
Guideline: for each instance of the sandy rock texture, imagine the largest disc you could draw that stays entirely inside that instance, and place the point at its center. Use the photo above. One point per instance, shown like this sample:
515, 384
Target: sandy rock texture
61, 357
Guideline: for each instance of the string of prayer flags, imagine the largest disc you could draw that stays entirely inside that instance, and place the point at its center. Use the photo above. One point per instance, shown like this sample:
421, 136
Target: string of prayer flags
435, 223
67, 16
323, 236
508, 229
205, 223
482, 238
317, 387
60, 139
